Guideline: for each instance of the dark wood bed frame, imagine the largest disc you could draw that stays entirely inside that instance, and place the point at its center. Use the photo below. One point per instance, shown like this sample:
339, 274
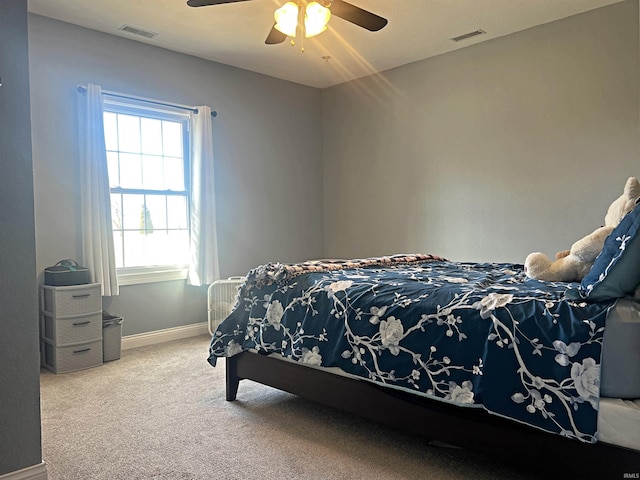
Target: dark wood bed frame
472, 429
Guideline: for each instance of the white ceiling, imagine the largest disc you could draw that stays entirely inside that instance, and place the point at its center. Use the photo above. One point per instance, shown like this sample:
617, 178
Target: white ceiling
234, 33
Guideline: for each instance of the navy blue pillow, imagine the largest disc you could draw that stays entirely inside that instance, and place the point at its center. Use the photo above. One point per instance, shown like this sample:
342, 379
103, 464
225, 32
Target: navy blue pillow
616, 271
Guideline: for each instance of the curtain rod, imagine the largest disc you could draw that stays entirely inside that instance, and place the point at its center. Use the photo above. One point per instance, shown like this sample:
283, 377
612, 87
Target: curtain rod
82, 88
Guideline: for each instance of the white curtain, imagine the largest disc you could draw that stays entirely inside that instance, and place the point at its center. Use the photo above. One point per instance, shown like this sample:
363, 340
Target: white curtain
95, 203
204, 267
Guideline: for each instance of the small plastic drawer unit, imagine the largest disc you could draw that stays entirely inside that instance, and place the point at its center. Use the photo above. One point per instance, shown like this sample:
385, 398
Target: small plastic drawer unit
71, 327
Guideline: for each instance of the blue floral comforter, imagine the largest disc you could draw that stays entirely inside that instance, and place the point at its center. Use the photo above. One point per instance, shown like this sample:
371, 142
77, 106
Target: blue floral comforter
466, 333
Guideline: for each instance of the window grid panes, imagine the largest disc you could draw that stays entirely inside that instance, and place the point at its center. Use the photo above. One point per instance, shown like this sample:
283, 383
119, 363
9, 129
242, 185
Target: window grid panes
148, 167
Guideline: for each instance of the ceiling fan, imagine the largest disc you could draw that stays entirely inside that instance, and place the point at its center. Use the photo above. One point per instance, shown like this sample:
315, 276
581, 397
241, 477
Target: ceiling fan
307, 18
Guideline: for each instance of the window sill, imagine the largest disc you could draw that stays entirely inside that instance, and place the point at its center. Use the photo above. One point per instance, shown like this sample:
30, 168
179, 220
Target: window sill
136, 276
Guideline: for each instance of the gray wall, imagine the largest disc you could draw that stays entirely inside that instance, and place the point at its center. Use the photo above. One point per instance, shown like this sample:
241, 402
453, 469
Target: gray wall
19, 357
514, 145
267, 146
487, 153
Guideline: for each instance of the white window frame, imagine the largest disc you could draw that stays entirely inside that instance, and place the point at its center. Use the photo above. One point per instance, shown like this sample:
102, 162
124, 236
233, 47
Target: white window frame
155, 273
159, 273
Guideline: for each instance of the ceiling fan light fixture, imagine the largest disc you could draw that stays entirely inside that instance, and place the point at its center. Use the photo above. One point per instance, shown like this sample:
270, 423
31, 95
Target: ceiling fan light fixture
315, 19
287, 19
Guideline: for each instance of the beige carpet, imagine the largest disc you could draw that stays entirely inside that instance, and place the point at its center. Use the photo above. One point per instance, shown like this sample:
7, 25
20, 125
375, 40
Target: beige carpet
159, 413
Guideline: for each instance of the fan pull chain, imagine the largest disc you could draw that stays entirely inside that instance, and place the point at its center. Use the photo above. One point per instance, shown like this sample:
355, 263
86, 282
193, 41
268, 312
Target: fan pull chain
301, 28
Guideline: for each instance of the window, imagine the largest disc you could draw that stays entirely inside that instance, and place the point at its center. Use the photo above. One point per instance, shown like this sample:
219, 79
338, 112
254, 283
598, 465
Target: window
148, 162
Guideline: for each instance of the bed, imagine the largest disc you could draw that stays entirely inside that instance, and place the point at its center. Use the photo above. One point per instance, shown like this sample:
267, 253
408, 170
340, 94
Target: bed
475, 355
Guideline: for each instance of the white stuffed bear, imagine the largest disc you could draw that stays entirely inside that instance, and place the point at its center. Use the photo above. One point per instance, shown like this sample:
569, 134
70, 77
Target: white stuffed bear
572, 265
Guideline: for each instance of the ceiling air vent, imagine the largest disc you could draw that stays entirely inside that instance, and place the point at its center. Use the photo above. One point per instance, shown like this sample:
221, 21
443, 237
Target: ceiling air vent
468, 35
138, 31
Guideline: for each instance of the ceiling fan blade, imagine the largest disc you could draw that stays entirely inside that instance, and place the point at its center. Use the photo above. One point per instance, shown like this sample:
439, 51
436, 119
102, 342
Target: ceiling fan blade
206, 3
357, 15
275, 36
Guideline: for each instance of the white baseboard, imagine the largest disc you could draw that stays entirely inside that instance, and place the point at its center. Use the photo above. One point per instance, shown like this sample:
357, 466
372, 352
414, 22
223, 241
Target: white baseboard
161, 336
34, 472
